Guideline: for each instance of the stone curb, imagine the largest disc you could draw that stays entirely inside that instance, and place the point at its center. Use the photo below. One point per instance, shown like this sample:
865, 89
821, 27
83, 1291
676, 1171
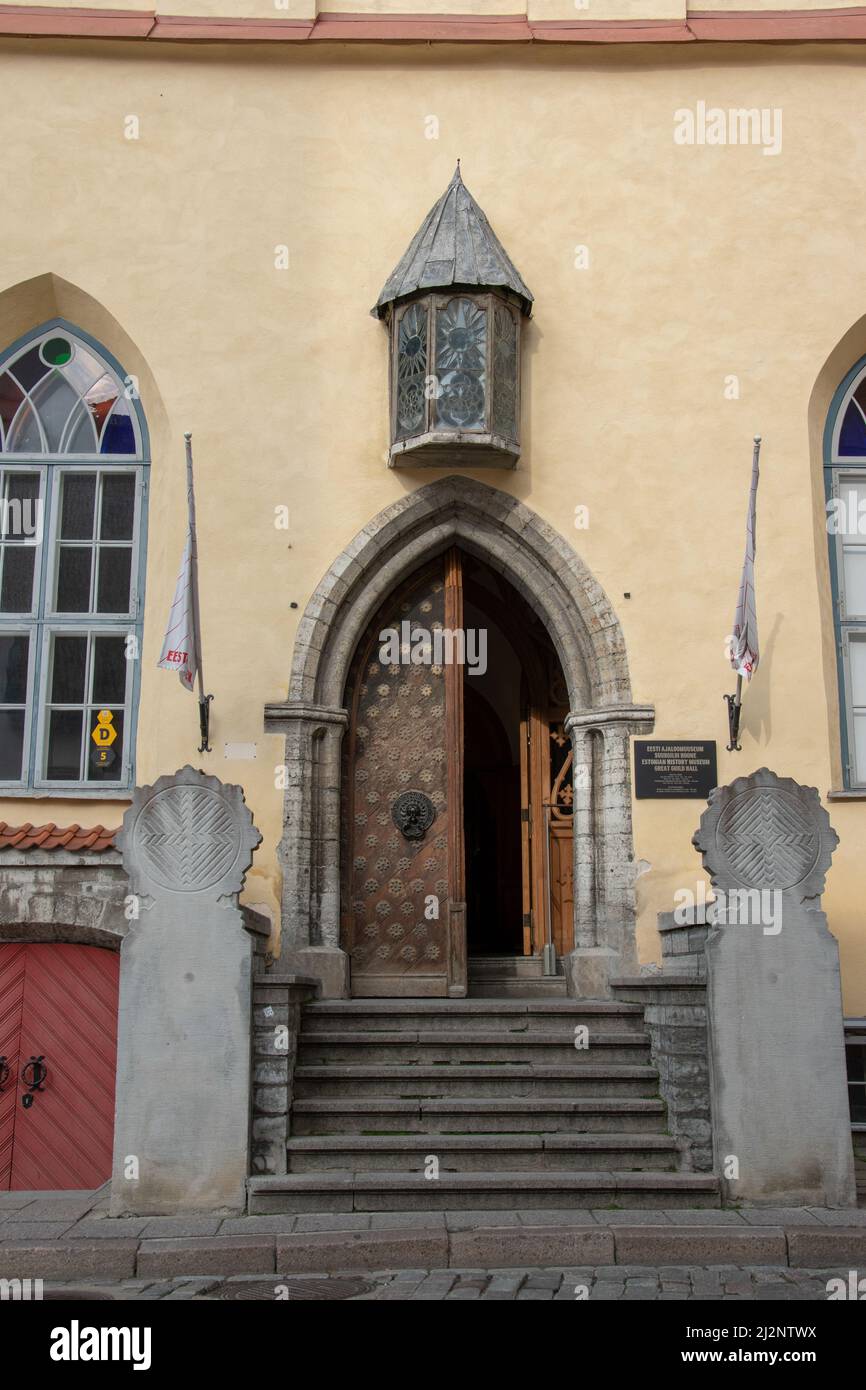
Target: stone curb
700, 1245
807, 1246
73, 1259
206, 1255
530, 1246
350, 1250
434, 1247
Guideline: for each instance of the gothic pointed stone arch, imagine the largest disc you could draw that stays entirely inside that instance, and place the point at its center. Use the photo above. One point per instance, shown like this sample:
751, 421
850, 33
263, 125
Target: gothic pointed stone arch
555, 581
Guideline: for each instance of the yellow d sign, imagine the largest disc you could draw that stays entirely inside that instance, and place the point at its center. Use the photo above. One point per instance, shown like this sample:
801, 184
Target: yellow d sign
105, 733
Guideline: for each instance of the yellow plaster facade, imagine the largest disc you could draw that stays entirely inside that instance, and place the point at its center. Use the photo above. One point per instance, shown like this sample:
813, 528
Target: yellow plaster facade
702, 264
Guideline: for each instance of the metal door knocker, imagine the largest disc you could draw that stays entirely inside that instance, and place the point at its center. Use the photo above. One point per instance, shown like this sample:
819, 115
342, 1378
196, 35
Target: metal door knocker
39, 1071
413, 813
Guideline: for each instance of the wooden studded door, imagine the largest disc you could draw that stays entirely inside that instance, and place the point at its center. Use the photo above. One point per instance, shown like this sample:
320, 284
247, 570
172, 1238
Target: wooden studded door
403, 912
58, 1035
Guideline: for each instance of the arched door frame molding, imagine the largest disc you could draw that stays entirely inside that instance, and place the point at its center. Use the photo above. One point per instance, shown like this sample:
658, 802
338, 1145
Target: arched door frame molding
584, 629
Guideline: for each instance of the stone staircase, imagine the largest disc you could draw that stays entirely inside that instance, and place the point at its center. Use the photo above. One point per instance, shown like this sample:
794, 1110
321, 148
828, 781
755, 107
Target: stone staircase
513, 977
493, 1090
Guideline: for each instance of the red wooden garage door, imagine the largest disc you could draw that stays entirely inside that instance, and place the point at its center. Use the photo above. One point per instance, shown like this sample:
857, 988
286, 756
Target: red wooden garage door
58, 1003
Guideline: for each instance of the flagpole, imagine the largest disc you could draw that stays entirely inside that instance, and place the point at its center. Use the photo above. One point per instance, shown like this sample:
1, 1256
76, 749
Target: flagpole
735, 702
203, 700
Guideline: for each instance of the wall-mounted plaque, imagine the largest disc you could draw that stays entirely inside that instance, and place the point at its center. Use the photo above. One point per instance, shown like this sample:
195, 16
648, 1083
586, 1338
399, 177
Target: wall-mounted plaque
675, 769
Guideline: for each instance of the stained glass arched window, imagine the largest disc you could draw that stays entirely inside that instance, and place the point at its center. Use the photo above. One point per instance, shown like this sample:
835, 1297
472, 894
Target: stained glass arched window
73, 466
60, 397
845, 479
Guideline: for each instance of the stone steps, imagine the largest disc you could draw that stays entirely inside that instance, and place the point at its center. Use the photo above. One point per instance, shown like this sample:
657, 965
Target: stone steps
496, 1091
495, 1079
483, 1152
350, 1190
408, 1047
466, 1015
548, 987
504, 967
479, 1115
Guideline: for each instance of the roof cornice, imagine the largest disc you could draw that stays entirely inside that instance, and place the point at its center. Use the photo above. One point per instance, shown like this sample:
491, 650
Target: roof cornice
842, 25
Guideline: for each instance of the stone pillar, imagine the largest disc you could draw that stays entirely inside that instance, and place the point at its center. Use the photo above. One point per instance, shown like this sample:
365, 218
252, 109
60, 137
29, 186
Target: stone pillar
310, 847
782, 1128
181, 1137
604, 916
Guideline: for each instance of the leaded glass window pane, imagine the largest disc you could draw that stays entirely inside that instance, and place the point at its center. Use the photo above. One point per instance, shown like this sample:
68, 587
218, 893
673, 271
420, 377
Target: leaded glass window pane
14, 661
64, 745
411, 370
11, 744
89, 680
20, 536
461, 365
57, 397
74, 569
504, 372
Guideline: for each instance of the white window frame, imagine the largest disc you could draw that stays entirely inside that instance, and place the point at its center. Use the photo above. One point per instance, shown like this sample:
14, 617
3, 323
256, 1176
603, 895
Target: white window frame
13, 628
848, 627
49, 631
43, 621
52, 614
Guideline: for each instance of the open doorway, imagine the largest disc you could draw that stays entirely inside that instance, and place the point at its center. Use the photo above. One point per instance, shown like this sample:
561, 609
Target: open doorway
513, 713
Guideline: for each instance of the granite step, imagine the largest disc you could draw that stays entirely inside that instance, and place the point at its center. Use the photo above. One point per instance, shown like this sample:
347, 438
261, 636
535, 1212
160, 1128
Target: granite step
408, 1046
508, 987
350, 1190
483, 1153
510, 1016
633, 1116
505, 967
469, 1079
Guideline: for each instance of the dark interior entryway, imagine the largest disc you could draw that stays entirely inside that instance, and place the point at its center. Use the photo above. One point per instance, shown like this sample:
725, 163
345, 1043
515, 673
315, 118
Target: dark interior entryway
491, 827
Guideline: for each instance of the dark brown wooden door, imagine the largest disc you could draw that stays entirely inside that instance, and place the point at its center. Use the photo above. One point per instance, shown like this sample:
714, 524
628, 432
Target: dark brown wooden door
403, 913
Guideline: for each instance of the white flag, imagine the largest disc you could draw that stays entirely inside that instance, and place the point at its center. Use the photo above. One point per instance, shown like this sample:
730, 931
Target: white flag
744, 645
179, 647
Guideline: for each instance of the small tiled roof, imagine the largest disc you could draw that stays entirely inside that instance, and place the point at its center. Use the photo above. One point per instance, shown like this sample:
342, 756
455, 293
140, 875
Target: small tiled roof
72, 837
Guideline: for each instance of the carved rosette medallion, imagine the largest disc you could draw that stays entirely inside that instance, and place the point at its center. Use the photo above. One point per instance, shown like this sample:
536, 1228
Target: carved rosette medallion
766, 832
188, 833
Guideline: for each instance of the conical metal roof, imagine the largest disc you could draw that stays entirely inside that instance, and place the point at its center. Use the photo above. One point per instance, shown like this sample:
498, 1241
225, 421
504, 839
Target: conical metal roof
455, 245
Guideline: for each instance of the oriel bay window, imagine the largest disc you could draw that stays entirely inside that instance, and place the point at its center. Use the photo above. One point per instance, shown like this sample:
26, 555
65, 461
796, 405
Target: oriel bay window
455, 305
73, 472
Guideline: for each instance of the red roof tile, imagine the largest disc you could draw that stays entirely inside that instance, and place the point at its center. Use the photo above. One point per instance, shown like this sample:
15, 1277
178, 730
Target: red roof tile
94, 838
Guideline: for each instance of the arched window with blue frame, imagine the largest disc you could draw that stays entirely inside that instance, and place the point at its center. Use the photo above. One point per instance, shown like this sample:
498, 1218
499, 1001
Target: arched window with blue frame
73, 482
845, 486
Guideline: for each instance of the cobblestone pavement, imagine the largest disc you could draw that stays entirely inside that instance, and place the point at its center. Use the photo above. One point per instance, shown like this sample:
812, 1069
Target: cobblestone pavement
605, 1283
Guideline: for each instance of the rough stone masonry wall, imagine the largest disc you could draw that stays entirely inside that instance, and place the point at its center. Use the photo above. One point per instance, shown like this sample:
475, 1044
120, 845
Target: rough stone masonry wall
277, 1003
675, 1013
678, 1028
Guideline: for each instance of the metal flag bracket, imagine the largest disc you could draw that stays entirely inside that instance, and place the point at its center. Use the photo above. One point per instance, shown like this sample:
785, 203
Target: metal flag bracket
734, 703
204, 723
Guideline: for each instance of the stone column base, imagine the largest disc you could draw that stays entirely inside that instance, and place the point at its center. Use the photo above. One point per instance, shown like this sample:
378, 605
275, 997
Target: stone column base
589, 971
328, 964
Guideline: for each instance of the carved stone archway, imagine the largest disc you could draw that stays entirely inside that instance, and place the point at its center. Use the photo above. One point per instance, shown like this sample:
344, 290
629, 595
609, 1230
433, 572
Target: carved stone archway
557, 585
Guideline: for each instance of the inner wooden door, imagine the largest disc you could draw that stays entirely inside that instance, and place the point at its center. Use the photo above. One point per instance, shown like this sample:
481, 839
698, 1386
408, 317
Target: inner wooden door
404, 910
